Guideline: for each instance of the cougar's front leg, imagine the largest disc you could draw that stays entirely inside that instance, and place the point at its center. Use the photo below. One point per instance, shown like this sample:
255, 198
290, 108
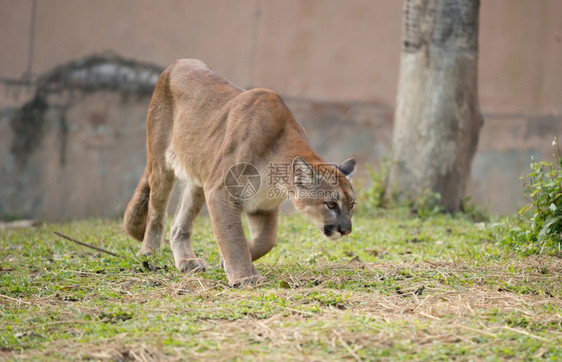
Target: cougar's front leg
233, 246
263, 231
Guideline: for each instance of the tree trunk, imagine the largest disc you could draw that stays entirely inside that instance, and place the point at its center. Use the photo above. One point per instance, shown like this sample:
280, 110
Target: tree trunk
437, 118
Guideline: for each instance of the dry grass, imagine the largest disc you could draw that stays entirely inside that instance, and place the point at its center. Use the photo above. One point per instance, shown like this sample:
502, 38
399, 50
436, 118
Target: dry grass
451, 306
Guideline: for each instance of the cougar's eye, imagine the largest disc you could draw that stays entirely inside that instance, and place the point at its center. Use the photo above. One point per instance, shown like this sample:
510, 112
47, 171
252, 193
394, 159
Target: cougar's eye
330, 204
352, 206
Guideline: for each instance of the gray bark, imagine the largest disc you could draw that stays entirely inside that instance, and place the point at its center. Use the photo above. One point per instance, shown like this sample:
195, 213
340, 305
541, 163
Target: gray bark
437, 119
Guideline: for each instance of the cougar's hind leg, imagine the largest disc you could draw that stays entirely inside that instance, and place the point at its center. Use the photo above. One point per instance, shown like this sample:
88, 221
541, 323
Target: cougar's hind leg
161, 177
161, 181
263, 231
185, 259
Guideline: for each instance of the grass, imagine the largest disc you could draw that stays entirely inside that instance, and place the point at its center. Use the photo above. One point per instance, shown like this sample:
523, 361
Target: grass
396, 288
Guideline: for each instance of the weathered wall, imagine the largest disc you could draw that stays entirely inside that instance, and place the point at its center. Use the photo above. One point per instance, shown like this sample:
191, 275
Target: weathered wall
333, 61
76, 145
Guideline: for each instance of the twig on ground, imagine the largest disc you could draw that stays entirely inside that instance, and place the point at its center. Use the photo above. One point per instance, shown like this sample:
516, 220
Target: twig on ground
479, 331
429, 316
86, 245
293, 310
420, 304
349, 349
19, 300
524, 333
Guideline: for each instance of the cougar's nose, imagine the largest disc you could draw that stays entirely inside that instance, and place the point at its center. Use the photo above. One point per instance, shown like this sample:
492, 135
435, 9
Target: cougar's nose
344, 229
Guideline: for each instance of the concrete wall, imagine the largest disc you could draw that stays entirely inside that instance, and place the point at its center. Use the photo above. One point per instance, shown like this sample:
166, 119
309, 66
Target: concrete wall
331, 60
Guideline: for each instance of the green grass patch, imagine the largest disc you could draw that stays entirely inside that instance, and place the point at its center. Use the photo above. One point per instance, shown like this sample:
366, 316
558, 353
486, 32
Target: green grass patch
436, 288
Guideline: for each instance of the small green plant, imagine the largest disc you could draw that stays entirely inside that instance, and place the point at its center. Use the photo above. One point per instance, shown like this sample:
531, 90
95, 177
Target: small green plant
474, 211
543, 188
427, 204
372, 197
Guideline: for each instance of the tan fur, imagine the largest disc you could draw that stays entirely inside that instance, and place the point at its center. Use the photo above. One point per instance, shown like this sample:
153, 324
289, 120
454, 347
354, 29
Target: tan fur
198, 126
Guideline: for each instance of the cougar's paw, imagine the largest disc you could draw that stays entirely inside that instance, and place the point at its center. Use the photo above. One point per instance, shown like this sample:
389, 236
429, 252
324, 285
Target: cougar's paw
192, 265
254, 278
146, 252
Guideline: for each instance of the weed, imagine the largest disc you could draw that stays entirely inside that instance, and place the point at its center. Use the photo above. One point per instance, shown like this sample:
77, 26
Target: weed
474, 211
543, 230
371, 197
427, 204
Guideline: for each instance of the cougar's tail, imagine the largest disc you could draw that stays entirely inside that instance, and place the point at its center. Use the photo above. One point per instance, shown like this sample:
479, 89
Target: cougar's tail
136, 213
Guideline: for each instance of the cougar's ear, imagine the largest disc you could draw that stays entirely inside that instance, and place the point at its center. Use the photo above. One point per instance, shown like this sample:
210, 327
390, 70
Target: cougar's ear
303, 174
347, 167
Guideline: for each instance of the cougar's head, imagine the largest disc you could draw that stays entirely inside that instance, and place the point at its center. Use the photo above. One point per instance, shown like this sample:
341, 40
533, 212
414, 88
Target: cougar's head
323, 193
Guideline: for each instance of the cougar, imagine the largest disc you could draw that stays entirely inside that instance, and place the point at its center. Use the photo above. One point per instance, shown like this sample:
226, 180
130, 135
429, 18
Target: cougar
241, 151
